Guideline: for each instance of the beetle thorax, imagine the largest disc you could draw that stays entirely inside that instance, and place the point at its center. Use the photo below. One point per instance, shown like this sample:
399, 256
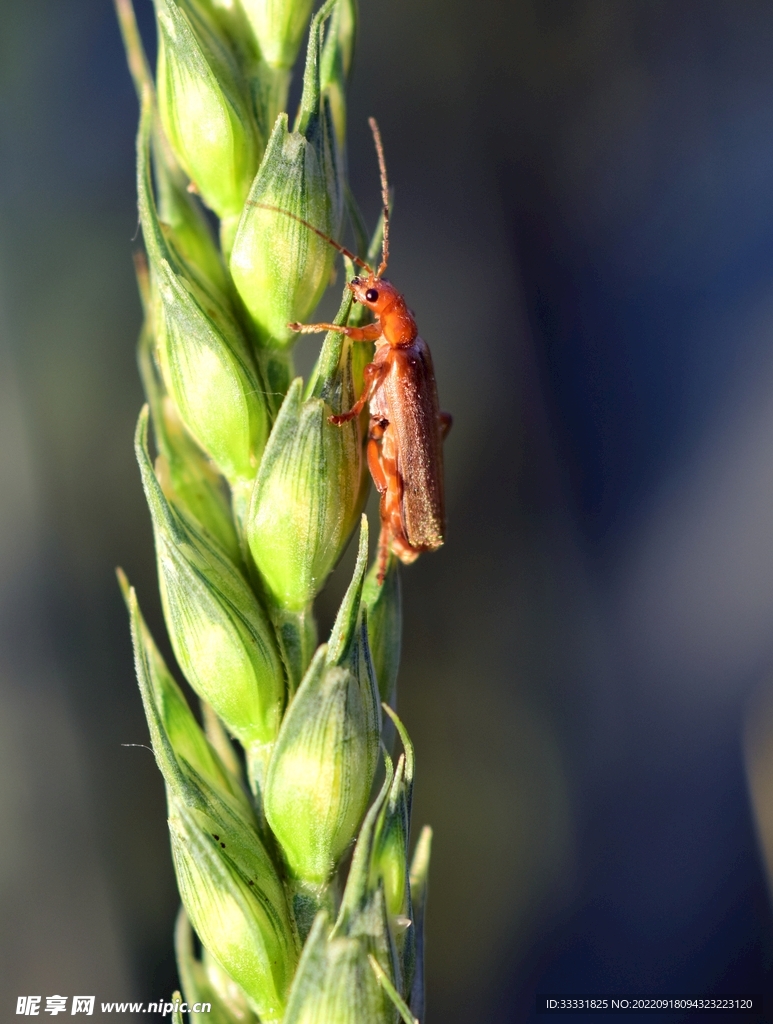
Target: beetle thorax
386, 302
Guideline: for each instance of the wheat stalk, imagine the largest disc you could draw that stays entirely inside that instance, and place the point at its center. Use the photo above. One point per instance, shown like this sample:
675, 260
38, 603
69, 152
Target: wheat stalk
254, 495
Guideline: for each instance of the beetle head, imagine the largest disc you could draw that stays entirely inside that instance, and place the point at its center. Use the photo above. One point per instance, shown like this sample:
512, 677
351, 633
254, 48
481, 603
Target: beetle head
373, 292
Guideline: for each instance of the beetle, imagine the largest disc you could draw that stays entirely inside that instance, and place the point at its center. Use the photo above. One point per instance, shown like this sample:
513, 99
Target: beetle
407, 428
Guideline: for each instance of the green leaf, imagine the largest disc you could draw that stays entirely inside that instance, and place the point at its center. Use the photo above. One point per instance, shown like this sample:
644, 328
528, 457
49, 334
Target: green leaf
220, 634
345, 627
359, 881
235, 902
324, 761
334, 983
228, 1004
278, 26
322, 769
306, 498
201, 349
279, 266
205, 106
391, 991
178, 741
177, 1016
390, 858
336, 64
227, 880
385, 626
187, 476
419, 872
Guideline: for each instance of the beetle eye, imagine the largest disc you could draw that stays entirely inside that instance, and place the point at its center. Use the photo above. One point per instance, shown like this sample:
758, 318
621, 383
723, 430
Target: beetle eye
371, 294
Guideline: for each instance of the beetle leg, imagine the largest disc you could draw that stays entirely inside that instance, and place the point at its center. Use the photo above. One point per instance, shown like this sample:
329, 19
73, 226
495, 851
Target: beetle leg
404, 551
388, 484
388, 481
384, 544
375, 465
395, 529
446, 421
373, 375
371, 332
391, 537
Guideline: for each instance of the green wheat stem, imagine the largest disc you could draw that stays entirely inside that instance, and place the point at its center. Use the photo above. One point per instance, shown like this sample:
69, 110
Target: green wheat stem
254, 495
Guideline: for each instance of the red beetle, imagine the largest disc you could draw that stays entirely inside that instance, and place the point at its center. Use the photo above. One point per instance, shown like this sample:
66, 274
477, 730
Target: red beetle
407, 428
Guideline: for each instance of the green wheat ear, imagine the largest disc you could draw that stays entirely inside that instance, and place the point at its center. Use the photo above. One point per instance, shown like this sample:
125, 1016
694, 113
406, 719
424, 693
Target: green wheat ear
253, 496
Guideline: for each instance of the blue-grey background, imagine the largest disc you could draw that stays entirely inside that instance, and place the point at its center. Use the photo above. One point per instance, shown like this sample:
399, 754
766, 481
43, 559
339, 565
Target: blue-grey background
584, 226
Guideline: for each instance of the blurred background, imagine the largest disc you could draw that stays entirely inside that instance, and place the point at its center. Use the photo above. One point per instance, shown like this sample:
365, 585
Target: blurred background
584, 226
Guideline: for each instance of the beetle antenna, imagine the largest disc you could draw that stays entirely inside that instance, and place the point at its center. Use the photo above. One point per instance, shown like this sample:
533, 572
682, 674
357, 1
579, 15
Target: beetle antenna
384, 195
326, 238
